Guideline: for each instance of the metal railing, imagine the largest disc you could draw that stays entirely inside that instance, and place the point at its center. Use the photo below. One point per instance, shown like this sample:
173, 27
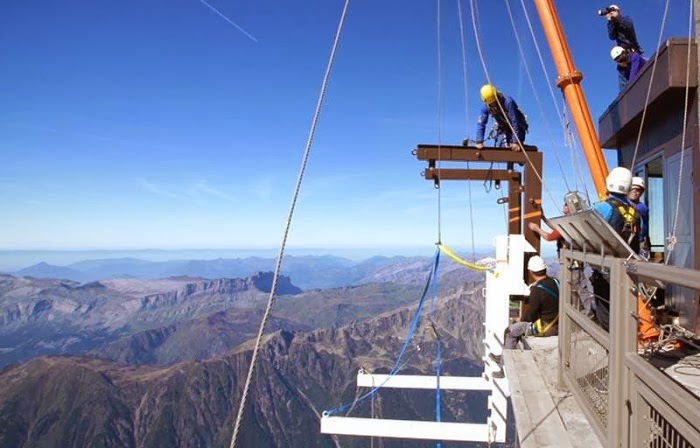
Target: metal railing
628, 401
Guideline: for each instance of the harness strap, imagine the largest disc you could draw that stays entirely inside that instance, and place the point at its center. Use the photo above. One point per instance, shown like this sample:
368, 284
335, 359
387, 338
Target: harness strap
540, 328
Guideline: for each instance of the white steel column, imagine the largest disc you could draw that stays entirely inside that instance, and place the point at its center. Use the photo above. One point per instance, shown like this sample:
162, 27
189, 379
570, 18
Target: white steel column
507, 280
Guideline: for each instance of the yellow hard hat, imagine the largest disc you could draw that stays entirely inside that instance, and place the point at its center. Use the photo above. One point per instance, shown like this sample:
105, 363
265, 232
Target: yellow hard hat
489, 93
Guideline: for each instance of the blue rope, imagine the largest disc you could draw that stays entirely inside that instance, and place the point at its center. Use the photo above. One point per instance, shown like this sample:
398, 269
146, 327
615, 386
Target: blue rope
438, 392
438, 367
397, 364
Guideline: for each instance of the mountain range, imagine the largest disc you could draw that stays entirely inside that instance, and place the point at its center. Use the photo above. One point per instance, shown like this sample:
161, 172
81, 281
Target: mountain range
308, 272
161, 362
72, 401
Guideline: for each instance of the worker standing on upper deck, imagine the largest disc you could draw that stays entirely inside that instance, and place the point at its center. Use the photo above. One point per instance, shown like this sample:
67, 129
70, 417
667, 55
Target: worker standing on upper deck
509, 118
621, 29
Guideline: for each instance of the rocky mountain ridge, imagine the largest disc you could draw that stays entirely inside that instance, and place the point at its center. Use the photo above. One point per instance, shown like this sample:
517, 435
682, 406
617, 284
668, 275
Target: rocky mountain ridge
43, 316
75, 402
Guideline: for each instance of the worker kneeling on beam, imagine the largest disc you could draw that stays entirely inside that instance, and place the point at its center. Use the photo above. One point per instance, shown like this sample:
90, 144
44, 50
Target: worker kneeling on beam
542, 316
510, 120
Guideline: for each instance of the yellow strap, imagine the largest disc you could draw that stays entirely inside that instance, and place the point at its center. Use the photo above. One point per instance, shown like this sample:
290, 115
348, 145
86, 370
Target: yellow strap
450, 253
542, 331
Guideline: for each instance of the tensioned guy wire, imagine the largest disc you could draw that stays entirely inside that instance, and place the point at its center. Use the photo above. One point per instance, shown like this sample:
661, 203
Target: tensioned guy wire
672, 237
465, 74
439, 123
278, 266
651, 82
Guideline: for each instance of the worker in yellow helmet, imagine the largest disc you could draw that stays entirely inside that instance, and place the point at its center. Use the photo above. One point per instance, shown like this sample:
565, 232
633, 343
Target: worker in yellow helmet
509, 119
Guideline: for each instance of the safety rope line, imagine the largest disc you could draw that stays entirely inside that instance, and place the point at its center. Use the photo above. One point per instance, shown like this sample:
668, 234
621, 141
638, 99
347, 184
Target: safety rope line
569, 140
521, 50
574, 154
453, 255
398, 364
541, 58
672, 237
651, 82
435, 288
465, 72
474, 19
500, 106
278, 266
439, 123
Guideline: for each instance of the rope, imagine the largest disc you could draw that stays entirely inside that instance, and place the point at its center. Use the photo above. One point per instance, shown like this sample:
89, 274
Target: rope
500, 106
453, 255
651, 82
438, 391
278, 266
438, 368
570, 142
398, 364
439, 123
672, 237
466, 114
477, 40
534, 92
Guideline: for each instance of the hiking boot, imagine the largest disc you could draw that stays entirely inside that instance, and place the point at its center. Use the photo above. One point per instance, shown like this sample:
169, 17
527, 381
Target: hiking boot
498, 375
498, 359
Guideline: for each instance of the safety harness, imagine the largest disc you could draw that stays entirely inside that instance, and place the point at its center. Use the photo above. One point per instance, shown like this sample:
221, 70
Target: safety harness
627, 224
539, 328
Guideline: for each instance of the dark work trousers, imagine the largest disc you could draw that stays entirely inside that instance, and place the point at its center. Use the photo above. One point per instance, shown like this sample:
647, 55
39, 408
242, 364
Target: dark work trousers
601, 289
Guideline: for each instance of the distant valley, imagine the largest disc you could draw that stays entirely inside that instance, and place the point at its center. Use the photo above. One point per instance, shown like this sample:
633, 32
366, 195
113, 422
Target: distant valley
149, 362
78, 401
162, 321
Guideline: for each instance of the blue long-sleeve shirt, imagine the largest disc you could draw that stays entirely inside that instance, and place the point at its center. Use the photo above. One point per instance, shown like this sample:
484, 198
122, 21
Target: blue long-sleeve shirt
633, 67
514, 114
623, 33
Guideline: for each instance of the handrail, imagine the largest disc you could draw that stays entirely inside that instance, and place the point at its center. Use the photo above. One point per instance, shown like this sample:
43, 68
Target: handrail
631, 385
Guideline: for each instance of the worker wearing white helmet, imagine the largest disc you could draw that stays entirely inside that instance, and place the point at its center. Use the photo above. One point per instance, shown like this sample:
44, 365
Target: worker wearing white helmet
617, 210
629, 64
622, 216
542, 316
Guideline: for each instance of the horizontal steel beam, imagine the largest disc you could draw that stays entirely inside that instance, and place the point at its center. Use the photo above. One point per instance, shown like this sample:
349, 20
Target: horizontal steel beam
405, 429
470, 154
669, 274
422, 382
460, 174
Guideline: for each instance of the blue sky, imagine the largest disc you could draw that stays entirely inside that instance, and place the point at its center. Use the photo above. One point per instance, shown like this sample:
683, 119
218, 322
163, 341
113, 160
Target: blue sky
158, 124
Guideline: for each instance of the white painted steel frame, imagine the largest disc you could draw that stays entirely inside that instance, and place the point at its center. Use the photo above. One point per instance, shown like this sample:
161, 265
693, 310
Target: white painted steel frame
504, 281
405, 429
422, 382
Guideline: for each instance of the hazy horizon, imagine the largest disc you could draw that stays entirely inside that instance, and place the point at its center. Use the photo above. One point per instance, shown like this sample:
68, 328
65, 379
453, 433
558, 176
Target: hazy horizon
16, 259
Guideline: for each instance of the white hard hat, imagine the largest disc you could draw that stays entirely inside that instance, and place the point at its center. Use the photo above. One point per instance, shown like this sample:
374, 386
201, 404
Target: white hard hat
619, 180
638, 182
616, 52
615, 7
536, 264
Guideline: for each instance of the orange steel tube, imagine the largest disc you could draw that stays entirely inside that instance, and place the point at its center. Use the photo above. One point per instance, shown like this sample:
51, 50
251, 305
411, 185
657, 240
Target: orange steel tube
569, 82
